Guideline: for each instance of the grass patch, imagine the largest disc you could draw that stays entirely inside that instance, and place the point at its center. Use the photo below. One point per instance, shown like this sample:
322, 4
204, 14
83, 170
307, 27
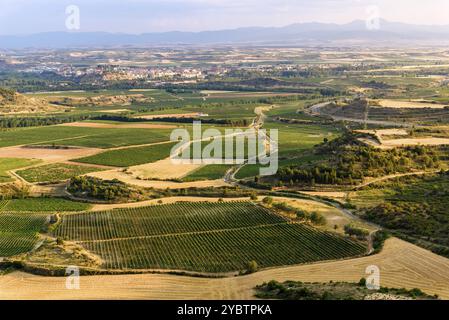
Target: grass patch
209, 172
130, 156
7, 164
45, 204
83, 137
55, 172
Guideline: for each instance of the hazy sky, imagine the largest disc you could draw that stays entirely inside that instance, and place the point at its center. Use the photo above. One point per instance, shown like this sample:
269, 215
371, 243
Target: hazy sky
139, 16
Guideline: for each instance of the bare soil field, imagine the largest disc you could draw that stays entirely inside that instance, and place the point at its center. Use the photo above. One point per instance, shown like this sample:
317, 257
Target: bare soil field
47, 154
394, 143
163, 170
129, 179
415, 142
401, 264
104, 207
398, 104
56, 190
118, 126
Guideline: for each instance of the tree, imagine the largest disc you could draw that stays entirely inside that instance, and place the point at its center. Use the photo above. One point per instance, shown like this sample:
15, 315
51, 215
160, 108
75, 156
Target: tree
252, 267
268, 200
317, 219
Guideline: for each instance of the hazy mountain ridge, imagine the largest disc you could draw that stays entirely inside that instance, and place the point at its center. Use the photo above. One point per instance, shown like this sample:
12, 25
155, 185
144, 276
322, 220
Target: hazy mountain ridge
294, 34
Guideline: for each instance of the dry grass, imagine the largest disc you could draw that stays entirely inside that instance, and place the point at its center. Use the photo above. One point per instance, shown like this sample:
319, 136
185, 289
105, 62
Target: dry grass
404, 142
104, 207
415, 141
399, 104
163, 169
129, 179
401, 265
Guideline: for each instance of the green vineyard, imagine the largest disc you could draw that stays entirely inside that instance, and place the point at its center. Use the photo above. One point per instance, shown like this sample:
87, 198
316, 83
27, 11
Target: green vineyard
3, 204
202, 237
19, 232
163, 220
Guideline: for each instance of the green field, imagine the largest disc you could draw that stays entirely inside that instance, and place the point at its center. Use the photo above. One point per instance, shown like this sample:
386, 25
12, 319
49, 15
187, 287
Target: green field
294, 139
201, 237
44, 204
247, 171
209, 172
130, 156
7, 164
55, 172
83, 137
19, 232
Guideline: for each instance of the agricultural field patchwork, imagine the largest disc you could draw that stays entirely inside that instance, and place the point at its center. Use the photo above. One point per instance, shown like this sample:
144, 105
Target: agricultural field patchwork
202, 237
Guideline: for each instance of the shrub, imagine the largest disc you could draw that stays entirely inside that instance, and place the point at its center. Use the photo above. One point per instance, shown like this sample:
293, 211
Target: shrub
268, 200
252, 267
357, 232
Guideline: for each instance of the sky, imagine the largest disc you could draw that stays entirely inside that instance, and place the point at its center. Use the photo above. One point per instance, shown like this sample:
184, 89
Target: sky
141, 16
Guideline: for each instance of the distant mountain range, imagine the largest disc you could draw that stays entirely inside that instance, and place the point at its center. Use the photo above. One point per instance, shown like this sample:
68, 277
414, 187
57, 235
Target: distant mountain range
356, 32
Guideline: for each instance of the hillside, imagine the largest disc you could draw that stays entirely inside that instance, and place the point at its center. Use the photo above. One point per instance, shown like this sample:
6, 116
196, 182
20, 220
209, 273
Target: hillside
12, 102
310, 33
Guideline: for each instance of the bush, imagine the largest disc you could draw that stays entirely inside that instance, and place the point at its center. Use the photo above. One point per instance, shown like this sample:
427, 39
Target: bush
379, 240
252, 267
317, 219
99, 189
268, 200
362, 282
357, 232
